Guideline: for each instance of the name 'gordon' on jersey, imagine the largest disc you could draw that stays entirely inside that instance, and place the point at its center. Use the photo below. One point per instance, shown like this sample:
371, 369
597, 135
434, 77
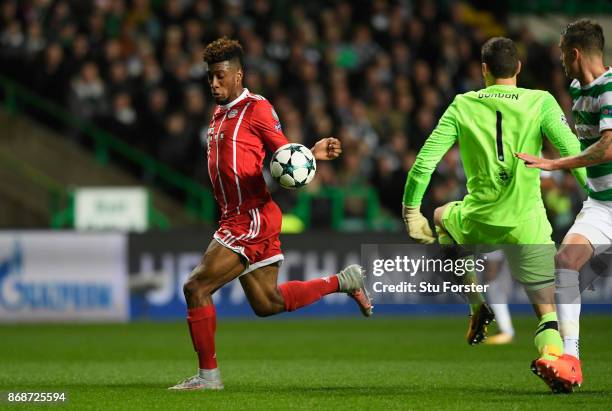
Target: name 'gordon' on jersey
237, 137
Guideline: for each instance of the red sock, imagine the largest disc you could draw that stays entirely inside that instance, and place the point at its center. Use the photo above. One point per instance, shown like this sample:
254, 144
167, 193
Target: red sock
202, 323
298, 294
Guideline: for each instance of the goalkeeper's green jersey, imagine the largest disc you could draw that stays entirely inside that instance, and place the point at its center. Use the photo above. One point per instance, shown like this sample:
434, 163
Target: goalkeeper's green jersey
491, 125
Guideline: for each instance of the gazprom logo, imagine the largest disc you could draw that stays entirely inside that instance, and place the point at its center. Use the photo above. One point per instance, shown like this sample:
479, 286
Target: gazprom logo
54, 294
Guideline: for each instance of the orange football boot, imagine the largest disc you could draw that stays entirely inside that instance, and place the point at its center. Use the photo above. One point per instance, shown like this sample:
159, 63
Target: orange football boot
560, 373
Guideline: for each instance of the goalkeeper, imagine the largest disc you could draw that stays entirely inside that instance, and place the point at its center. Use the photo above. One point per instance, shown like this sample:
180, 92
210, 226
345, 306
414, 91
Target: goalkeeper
503, 205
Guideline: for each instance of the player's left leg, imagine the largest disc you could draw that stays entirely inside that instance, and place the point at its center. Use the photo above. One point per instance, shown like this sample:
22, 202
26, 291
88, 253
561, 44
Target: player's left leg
450, 231
268, 298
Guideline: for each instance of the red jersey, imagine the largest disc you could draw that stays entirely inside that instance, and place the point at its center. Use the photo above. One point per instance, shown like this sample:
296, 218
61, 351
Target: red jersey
238, 136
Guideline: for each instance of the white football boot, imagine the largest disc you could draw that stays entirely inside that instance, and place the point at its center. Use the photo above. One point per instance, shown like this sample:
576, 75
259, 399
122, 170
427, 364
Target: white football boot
350, 281
205, 380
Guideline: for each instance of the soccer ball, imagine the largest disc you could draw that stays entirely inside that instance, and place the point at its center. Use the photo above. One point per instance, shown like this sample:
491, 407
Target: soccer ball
293, 166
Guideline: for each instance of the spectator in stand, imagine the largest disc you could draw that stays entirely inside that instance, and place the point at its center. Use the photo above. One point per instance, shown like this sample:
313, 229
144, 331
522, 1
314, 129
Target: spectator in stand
376, 73
88, 93
153, 115
122, 120
177, 147
51, 78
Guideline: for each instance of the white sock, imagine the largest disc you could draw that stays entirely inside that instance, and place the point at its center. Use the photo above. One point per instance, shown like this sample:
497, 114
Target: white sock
571, 346
568, 301
213, 374
502, 317
497, 296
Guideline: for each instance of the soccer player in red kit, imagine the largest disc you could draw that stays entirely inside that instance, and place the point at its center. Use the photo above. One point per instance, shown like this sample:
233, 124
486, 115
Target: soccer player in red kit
246, 245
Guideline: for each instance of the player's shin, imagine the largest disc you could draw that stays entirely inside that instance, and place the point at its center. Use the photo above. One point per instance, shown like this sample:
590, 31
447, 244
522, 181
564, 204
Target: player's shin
202, 323
455, 251
475, 298
297, 294
498, 301
547, 338
568, 301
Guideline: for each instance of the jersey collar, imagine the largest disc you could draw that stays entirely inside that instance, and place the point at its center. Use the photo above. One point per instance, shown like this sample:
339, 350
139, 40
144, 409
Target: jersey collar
503, 85
597, 80
242, 96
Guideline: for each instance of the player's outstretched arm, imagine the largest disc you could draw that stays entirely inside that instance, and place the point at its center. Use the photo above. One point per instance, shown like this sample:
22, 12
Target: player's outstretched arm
437, 144
600, 152
328, 148
536, 162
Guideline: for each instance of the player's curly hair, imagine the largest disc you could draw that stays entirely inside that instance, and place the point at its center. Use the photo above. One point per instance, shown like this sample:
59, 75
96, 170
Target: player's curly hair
224, 49
583, 34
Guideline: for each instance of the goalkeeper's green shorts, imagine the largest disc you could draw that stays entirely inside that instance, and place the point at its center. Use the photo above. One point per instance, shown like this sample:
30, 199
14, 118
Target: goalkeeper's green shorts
528, 247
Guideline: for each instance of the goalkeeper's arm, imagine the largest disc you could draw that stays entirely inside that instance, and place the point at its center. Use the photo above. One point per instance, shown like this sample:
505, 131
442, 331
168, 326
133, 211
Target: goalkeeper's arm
439, 142
561, 136
417, 225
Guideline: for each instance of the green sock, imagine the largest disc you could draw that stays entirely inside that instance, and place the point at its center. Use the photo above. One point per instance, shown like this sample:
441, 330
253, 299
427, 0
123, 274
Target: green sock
547, 338
475, 299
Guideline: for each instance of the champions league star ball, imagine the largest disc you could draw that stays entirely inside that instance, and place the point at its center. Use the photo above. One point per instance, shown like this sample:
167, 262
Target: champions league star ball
293, 166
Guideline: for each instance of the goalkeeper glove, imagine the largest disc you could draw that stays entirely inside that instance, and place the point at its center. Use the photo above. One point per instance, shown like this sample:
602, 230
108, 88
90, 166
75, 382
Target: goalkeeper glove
417, 225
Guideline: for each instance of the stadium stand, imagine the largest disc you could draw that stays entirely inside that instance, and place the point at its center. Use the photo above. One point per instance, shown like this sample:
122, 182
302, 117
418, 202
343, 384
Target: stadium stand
377, 76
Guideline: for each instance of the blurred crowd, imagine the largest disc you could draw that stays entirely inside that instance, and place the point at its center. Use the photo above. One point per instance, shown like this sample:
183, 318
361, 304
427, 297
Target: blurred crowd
376, 74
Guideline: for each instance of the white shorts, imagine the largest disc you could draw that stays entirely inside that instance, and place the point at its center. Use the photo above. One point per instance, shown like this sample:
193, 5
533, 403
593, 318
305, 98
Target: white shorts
594, 222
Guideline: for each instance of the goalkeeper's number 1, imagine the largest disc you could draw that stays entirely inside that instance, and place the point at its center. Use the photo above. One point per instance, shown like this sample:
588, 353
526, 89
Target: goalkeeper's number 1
500, 144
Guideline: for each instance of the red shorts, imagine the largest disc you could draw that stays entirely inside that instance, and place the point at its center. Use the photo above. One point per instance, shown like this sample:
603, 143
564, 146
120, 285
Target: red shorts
254, 235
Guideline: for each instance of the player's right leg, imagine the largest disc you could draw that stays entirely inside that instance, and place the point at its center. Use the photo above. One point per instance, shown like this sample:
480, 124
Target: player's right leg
531, 258
548, 343
590, 235
218, 267
450, 230
574, 252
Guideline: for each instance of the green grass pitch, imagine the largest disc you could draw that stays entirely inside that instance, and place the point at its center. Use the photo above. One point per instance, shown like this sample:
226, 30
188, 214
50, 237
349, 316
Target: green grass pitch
379, 363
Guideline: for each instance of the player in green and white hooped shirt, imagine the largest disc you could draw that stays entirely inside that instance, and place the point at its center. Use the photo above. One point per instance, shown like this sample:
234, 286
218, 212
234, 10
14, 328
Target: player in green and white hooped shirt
504, 204
582, 57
